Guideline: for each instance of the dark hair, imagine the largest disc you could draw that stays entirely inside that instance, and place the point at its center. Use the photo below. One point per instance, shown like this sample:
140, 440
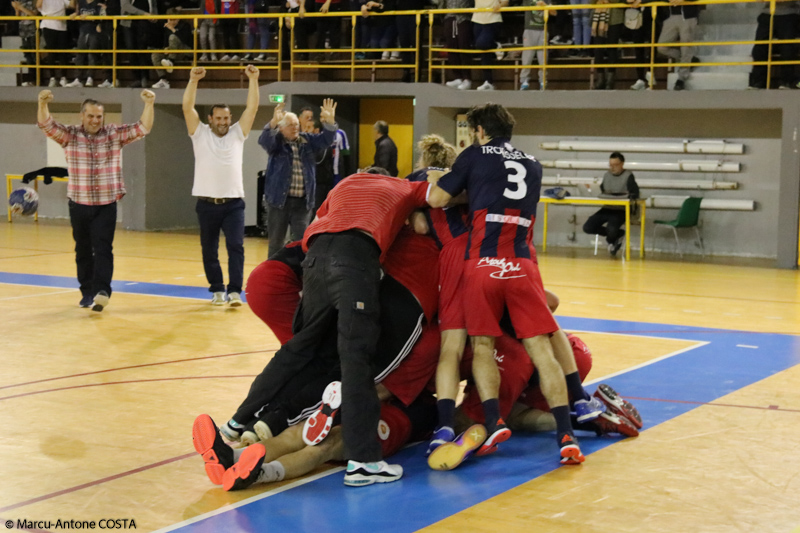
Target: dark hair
382, 127
221, 106
376, 170
617, 155
306, 108
495, 120
90, 101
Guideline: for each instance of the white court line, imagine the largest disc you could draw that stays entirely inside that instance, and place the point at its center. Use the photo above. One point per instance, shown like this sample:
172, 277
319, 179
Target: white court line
614, 305
578, 303
132, 283
638, 336
692, 311
37, 294
653, 308
242, 503
117, 292
747, 346
646, 363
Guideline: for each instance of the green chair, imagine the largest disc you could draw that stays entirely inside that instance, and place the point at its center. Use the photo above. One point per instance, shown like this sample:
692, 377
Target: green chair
687, 218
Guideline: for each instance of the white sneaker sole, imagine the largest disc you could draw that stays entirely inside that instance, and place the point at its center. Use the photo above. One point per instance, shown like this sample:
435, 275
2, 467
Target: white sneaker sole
332, 399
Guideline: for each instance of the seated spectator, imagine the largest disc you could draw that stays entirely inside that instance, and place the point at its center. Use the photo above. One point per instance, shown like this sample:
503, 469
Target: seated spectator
533, 35
680, 27
179, 37
783, 27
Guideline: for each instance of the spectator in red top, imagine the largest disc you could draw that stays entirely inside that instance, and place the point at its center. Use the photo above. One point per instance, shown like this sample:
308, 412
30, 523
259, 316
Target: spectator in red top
94, 160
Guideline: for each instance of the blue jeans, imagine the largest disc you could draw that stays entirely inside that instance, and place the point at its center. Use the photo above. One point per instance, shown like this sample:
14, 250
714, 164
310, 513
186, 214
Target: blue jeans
485, 39
294, 213
581, 24
228, 217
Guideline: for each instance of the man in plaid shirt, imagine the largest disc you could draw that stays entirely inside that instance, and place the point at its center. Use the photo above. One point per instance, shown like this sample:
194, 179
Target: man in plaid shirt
94, 160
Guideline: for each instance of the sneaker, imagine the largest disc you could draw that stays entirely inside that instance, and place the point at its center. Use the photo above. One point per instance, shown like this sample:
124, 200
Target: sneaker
245, 472
440, 436
247, 57
486, 87
639, 85
249, 435
89, 82
234, 299
234, 57
161, 84
454, 83
203, 57
74, 83
262, 430
106, 84
319, 424
359, 56
100, 301
167, 64
214, 57
395, 55
586, 410
53, 83
785, 86
570, 451
231, 433
611, 423
618, 405
556, 40
263, 57
208, 442
218, 298
525, 86
500, 434
679, 85
385, 56
451, 454
466, 85
226, 57
86, 301
363, 474
63, 81
617, 245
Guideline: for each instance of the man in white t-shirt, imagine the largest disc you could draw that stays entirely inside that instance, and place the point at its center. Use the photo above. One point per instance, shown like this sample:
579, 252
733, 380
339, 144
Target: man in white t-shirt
219, 185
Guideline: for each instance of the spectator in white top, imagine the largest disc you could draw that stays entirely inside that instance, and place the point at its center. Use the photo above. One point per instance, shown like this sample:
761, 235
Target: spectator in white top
55, 36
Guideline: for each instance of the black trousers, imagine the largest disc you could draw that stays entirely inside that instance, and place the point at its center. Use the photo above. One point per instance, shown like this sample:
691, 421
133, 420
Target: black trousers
613, 219
784, 27
93, 228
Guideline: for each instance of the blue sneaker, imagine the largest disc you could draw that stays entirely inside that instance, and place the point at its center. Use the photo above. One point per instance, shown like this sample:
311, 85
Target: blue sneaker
86, 301
525, 86
586, 410
440, 436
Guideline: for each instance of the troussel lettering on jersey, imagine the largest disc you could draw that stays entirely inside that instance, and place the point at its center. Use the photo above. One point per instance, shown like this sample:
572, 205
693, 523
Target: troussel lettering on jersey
503, 186
445, 224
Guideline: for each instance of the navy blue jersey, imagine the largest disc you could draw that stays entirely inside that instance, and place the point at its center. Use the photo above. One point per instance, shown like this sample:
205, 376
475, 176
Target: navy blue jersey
445, 224
503, 186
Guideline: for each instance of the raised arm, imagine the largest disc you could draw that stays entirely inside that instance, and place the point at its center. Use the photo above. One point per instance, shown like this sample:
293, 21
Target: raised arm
149, 98
249, 115
43, 113
189, 96
268, 137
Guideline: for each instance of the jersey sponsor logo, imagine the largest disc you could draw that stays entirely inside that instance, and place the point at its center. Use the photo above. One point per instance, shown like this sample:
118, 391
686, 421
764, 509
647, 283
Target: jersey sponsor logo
507, 151
498, 357
505, 269
383, 430
508, 219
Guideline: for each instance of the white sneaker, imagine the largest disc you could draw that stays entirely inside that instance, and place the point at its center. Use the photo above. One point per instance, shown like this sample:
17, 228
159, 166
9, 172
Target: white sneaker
215, 58
75, 83
385, 56
486, 87
247, 57
234, 57
161, 84
26, 84
226, 57
261, 57
106, 84
395, 55
203, 57
455, 83
362, 474
89, 82
639, 85
63, 81
218, 298
465, 85
167, 64
53, 83
235, 299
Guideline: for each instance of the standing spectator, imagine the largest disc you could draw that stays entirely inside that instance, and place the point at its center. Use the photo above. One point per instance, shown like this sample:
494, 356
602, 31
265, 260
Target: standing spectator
55, 36
94, 160
784, 27
306, 119
560, 24
257, 27
681, 27
290, 178
607, 27
136, 34
458, 34
179, 37
229, 28
486, 28
581, 27
407, 35
88, 39
385, 149
27, 28
301, 28
207, 32
533, 35
641, 35
219, 184
329, 28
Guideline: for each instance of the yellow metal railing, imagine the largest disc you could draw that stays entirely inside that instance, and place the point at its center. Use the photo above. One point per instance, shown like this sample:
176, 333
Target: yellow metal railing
433, 56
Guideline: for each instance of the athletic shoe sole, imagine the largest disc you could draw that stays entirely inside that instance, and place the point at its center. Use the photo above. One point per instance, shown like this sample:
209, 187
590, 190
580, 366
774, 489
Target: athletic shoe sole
231, 434
245, 472
490, 445
100, 301
618, 405
451, 454
318, 425
614, 423
362, 477
571, 455
204, 437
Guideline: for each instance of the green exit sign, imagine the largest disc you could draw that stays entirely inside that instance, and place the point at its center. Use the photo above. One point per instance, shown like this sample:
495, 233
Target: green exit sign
276, 99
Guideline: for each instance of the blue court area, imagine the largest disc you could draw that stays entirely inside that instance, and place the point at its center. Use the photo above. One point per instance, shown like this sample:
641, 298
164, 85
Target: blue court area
722, 362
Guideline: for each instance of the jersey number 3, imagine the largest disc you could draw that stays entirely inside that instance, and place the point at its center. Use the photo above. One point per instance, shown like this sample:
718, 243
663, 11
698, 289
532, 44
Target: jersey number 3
516, 175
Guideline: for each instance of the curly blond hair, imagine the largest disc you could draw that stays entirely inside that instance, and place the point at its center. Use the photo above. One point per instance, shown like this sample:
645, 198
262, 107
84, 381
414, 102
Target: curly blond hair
434, 151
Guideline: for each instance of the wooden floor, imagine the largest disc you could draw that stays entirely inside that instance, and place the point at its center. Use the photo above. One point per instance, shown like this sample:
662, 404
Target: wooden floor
97, 407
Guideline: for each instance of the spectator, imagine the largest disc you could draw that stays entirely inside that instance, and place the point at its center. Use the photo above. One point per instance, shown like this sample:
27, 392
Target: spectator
607, 27
306, 119
581, 28
641, 35
533, 35
784, 27
302, 29
341, 156
608, 221
290, 178
681, 26
229, 28
458, 34
27, 28
207, 33
380, 32
385, 149
486, 28
88, 39
55, 36
136, 34
179, 37
328, 28
257, 27
407, 34
560, 24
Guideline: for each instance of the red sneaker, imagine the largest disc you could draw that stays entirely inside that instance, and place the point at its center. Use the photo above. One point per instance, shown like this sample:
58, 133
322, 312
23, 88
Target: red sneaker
208, 442
570, 451
319, 424
500, 434
245, 472
618, 405
612, 423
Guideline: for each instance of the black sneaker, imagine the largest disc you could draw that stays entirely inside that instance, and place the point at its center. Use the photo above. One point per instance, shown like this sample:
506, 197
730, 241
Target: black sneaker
208, 442
244, 473
100, 301
86, 301
362, 474
679, 85
616, 246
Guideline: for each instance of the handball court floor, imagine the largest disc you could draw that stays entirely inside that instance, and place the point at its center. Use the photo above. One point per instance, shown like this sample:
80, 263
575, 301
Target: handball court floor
97, 408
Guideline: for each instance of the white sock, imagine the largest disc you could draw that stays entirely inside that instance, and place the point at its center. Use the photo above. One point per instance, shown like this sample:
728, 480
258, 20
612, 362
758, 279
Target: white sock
271, 472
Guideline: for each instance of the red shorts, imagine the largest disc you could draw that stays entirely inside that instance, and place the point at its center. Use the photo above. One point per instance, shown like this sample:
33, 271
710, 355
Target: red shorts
273, 293
533, 397
451, 294
394, 429
492, 284
408, 380
515, 368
